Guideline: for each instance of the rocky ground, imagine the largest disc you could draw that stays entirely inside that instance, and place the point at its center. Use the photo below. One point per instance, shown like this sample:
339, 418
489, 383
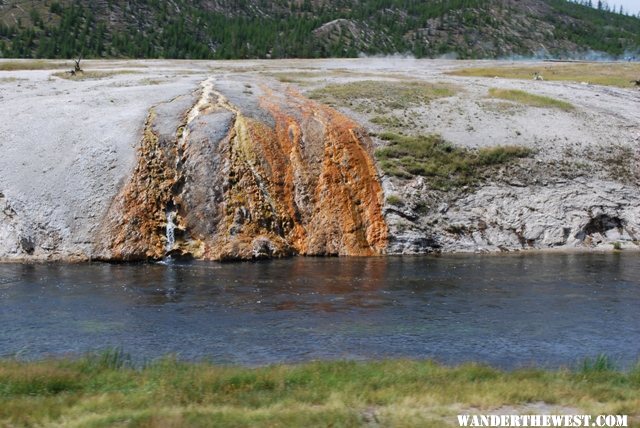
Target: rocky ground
242, 163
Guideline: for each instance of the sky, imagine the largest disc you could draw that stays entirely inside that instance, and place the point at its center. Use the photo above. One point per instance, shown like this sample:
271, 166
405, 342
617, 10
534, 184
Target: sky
628, 5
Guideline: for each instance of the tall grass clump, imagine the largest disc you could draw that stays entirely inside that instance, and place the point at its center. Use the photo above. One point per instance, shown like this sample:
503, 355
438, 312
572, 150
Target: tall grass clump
600, 364
108, 359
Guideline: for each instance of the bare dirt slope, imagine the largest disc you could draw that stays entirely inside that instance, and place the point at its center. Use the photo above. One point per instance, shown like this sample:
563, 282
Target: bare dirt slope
70, 147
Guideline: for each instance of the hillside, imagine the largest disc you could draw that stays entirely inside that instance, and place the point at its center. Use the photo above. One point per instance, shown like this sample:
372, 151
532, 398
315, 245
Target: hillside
223, 29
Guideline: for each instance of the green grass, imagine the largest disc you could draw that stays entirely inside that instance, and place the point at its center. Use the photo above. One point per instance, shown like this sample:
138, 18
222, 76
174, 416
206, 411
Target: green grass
380, 95
529, 99
606, 74
599, 364
388, 121
446, 165
92, 75
105, 391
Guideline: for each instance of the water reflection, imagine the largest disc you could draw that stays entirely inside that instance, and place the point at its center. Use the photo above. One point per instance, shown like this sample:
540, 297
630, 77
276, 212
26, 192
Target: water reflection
511, 310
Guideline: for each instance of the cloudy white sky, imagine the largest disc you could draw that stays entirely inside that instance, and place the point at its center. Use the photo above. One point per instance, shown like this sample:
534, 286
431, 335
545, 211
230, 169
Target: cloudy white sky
628, 5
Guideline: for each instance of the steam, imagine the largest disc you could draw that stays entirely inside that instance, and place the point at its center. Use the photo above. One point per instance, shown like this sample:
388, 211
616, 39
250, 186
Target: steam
589, 55
395, 56
540, 55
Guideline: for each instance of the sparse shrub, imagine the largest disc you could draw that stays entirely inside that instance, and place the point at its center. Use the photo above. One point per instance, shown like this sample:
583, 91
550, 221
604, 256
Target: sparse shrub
35, 17
502, 154
445, 164
457, 229
617, 246
421, 207
395, 200
387, 121
619, 161
56, 8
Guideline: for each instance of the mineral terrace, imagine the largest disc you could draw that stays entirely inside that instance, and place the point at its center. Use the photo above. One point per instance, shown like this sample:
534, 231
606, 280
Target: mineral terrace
141, 160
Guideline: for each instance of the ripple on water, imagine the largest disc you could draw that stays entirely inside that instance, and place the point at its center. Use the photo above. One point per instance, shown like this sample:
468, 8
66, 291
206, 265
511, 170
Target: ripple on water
513, 310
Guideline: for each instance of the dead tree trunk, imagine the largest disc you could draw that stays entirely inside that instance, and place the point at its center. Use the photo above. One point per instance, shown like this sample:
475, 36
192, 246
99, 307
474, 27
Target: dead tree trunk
76, 68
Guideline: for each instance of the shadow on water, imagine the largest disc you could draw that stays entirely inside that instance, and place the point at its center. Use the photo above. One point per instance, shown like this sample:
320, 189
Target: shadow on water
513, 310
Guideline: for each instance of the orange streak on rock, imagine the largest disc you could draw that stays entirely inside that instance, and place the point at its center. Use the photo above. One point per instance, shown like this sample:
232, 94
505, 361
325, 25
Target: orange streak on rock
306, 185
253, 224
136, 219
345, 193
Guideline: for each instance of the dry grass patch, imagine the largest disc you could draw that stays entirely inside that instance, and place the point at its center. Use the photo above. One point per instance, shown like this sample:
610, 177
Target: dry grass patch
501, 108
10, 80
148, 81
381, 95
15, 65
92, 75
296, 76
529, 99
607, 74
304, 77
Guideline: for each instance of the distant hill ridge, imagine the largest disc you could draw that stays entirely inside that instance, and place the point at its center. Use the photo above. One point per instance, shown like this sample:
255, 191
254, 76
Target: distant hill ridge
225, 29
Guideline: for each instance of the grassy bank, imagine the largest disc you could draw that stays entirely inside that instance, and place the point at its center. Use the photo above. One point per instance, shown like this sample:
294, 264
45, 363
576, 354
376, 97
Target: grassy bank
105, 391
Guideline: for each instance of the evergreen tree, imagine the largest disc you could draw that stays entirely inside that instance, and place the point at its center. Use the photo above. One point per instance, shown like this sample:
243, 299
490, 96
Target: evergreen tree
284, 29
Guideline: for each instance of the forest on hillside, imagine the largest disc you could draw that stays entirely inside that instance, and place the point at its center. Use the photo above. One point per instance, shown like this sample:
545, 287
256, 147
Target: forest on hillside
283, 29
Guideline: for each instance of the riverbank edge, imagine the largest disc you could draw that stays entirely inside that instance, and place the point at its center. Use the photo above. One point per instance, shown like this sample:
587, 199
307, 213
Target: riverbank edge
107, 389
525, 251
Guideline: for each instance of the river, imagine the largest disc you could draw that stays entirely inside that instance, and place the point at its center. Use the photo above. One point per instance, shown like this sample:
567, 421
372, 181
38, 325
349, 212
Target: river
510, 311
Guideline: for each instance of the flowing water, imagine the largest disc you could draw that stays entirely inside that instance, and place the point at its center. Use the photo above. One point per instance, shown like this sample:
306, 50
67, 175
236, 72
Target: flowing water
170, 233
509, 311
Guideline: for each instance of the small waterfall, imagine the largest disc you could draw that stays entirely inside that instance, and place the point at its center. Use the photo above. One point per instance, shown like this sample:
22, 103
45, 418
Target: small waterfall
171, 211
171, 230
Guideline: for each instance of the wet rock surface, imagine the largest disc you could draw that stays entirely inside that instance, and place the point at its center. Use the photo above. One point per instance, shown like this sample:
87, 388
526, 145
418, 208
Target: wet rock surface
301, 182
